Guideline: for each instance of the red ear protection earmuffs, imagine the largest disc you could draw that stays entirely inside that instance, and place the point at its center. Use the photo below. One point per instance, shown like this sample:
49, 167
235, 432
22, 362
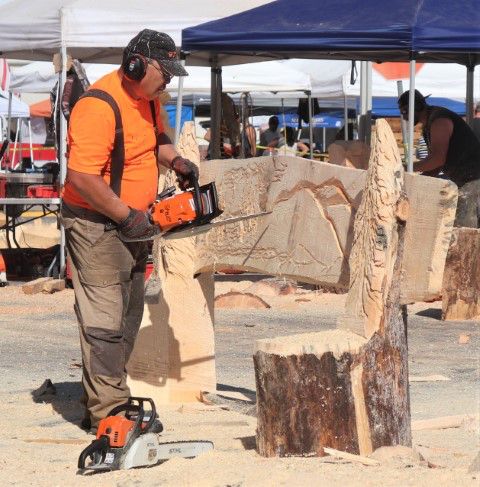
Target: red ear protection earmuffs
135, 67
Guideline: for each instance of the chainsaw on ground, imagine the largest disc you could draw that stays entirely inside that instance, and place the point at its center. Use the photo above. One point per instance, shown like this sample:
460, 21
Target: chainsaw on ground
191, 212
127, 438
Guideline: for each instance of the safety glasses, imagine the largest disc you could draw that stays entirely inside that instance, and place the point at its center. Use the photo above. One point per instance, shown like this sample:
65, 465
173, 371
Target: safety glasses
166, 76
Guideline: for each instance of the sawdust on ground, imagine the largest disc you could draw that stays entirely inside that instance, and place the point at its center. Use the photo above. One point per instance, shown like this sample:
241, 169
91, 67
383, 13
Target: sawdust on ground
40, 442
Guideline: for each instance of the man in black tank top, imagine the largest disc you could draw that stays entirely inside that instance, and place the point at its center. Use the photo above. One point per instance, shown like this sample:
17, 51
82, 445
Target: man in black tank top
453, 148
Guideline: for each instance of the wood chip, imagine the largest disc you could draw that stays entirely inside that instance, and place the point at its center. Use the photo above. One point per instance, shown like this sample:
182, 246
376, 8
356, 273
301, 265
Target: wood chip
428, 378
351, 457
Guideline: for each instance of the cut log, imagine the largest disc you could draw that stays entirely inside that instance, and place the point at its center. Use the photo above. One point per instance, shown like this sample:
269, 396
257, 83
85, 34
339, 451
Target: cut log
174, 358
236, 300
308, 236
53, 286
35, 286
350, 457
446, 422
339, 389
461, 281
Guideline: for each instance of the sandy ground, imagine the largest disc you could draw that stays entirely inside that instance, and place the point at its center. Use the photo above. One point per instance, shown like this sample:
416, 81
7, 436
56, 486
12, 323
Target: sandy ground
40, 442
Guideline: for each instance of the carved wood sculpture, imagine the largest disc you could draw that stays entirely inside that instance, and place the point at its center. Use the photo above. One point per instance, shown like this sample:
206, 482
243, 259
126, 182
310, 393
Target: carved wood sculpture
340, 389
309, 234
461, 281
173, 359
307, 237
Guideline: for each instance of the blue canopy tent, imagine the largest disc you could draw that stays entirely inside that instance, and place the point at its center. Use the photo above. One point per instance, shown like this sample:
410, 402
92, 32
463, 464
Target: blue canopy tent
403, 30
386, 106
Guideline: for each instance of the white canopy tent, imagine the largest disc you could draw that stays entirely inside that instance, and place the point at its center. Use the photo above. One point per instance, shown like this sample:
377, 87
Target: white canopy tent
290, 78
440, 80
96, 31
19, 109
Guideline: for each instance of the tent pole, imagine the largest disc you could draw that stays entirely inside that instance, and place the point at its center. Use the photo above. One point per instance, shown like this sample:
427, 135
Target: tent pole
63, 134
284, 124
411, 112
310, 123
345, 119
30, 140
368, 102
363, 100
469, 95
178, 113
9, 122
403, 123
215, 108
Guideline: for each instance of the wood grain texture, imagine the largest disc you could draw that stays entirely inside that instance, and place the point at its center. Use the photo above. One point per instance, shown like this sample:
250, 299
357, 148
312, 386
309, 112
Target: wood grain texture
308, 236
341, 389
174, 356
461, 281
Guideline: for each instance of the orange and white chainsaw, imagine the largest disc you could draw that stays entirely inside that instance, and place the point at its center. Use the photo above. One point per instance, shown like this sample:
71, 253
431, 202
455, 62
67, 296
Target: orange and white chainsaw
191, 212
127, 438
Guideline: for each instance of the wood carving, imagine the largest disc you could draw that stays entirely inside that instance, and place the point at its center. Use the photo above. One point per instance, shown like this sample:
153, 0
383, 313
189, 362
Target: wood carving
340, 389
308, 236
174, 358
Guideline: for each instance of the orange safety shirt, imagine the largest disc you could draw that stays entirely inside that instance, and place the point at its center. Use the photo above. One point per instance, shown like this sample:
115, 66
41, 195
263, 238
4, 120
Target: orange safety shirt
91, 134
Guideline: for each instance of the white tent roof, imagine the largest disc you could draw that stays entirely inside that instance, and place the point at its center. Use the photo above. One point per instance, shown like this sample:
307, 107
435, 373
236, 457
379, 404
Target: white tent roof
439, 80
19, 108
287, 78
98, 30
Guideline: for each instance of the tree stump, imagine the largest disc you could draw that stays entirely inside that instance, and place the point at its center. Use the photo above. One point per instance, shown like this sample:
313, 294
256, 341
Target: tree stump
348, 388
461, 281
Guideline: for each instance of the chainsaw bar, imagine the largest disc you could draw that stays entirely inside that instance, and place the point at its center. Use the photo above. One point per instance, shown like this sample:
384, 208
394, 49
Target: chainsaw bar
194, 230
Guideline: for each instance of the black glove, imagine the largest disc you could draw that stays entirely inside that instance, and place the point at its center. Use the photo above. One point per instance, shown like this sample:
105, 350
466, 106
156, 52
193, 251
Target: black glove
137, 227
186, 171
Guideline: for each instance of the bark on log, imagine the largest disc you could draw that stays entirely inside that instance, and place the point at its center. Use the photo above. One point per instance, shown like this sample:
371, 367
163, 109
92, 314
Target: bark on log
339, 389
461, 281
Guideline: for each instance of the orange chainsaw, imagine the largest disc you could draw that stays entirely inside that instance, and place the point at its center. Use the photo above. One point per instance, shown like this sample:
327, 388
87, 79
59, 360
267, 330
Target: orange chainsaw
127, 438
191, 212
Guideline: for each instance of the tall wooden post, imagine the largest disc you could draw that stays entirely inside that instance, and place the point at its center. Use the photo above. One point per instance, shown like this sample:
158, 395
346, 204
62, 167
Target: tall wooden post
348, 388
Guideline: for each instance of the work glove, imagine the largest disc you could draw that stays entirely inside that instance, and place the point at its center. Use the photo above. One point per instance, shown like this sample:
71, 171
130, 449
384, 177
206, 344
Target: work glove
186, 171
137, 227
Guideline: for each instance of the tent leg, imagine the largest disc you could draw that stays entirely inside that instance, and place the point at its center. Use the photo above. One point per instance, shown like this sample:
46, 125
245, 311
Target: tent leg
411, 111
469, 95
284, 124
215, 109
345, 120
63, 135
178, 113
310, 123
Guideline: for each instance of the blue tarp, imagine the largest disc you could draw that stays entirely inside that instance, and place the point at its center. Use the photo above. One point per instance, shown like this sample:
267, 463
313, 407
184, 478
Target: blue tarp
447, 30
187, 114
388, 106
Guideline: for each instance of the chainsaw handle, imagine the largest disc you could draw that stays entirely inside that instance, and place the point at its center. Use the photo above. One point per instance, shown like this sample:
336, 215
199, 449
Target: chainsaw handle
153, 410
98, 445
197, 197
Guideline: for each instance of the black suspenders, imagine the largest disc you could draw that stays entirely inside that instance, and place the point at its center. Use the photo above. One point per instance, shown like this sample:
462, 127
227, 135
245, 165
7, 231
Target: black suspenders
118, 151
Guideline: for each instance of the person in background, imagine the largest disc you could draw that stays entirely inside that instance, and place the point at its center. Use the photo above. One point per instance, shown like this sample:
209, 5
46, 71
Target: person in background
271, 138
292, 147
476, 120
116, 145
453, 152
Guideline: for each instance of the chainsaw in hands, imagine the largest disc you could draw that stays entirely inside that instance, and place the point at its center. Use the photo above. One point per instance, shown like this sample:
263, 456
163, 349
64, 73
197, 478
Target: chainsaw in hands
126, 439
191, 212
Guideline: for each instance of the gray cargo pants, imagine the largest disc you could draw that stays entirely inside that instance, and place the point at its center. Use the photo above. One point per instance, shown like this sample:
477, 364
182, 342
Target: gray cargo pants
108, 280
